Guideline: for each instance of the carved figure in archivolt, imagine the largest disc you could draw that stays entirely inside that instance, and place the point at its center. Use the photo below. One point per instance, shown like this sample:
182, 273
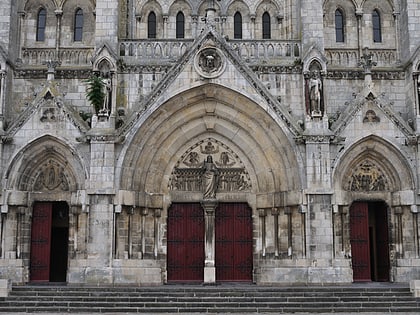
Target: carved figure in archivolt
209, 166
368, 177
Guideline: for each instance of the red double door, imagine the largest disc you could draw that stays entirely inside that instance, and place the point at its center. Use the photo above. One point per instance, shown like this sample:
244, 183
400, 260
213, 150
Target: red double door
49, 242
233, 242
369, 241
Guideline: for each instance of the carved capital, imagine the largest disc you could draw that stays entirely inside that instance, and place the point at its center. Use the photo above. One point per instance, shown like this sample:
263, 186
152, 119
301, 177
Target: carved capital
157, 213
262, 212
209, 206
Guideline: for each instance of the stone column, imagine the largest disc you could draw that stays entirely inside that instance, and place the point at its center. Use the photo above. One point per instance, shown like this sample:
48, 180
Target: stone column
165, 25
359, 16
275, 212
59, 15
399, 238
2, 96
194, 19
209, 207
156, 215
144, 212
21, 35
288, 212
263, 215
252, 17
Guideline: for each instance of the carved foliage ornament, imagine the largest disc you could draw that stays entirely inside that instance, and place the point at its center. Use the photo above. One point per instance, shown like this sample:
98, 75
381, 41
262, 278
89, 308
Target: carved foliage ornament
51, 176
189, 172
368, 177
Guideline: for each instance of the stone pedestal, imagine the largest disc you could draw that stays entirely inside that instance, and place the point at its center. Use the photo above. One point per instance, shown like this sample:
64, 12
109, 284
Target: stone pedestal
209, 206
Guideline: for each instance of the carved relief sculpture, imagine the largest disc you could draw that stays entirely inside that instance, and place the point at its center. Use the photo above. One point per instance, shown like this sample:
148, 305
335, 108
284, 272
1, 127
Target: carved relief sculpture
51, 177
221, 171
368, 177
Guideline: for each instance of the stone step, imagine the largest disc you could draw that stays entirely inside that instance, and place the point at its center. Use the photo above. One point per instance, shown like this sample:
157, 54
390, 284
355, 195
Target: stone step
211, 299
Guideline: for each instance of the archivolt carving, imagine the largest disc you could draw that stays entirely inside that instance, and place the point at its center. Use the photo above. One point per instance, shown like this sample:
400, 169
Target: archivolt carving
368, 177
188, 172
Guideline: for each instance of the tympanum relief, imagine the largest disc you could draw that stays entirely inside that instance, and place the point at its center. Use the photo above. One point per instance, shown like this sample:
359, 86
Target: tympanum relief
209, 167
368, 176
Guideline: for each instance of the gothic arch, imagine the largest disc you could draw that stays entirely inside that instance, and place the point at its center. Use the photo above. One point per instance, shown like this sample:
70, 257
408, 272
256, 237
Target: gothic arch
67, 24
46, 156
34, 5
383, 159
210, 112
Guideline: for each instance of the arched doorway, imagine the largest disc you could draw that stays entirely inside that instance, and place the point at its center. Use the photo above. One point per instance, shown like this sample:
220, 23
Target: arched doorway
49, 242
369, 241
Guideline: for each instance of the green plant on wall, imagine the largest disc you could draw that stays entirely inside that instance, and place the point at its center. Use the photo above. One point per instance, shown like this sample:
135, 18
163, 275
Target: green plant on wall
95, 92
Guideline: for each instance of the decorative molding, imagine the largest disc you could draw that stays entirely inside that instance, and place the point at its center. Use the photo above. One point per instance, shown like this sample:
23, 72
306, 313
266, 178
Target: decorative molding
352, 74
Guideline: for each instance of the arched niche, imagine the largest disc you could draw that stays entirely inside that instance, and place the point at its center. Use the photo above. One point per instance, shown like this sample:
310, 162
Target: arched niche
226, 117
372, 166
46, 165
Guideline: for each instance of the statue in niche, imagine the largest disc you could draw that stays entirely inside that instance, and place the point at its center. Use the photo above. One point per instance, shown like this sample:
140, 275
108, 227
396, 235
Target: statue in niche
107, 92
315, 93
210, 179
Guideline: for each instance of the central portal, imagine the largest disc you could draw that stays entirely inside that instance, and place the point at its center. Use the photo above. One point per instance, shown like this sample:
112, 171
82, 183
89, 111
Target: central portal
233, 242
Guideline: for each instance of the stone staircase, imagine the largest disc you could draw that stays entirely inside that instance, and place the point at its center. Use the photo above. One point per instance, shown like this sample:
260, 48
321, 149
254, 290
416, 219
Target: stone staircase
234, 298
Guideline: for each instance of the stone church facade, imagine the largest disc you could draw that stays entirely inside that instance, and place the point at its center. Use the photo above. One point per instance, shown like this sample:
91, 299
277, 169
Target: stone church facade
273, 142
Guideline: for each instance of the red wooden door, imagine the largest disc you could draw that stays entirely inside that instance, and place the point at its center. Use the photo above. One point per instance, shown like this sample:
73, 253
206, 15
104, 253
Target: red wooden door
382, 243
233, 235
185, 256
41, 242
359, 239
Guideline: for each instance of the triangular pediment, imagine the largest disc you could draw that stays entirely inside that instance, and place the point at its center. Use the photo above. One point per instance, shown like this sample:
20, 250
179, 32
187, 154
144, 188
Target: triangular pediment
106, 53
48, 111
370, 113
211, 59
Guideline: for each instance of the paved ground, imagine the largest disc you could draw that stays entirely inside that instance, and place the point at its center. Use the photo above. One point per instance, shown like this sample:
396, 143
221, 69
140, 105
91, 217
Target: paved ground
362, 313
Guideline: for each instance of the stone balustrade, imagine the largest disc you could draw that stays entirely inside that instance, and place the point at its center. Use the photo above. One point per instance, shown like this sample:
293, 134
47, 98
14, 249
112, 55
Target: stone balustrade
80, 56
345, 58
266, 50
248, 50
155, 49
